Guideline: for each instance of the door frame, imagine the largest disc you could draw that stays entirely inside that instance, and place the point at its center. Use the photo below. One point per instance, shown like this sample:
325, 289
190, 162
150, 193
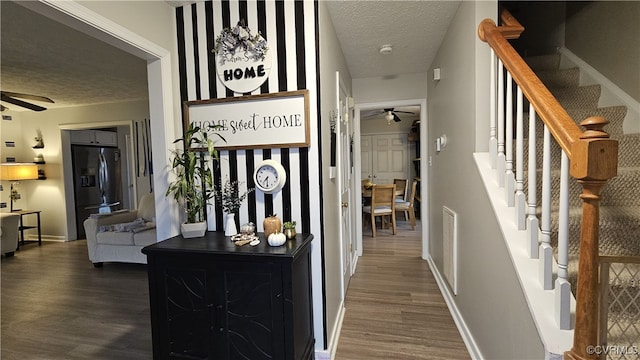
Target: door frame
424, 169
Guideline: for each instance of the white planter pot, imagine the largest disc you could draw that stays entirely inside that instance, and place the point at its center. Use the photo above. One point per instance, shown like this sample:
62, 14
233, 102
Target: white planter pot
193, 230
230, 225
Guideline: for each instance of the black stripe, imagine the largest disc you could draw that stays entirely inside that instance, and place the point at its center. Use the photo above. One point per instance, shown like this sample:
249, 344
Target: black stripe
242, 10
233, 176
251, 198
182, 60
268, 199
281, 45
211, 56
300, 49
305, 204
262, 29
217, 174
226, 23
321, 202
196, 55
286, 190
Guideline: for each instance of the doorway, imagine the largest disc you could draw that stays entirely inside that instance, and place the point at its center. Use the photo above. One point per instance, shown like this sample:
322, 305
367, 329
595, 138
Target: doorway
423, 172
159, 73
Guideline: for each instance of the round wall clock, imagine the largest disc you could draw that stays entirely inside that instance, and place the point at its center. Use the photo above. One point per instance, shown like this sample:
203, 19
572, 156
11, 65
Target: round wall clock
269, 176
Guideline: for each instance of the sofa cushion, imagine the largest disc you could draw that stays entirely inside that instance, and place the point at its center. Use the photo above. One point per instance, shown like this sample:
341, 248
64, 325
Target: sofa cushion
144, 238
115, 238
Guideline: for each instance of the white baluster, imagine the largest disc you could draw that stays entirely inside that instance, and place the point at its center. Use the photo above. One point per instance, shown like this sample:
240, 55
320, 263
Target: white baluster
532, 219
509, 180
520, 198
562, 286
501, 162
546, 251
493, 141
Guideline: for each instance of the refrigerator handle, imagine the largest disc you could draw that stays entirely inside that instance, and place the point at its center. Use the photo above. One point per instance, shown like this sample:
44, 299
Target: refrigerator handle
102, 176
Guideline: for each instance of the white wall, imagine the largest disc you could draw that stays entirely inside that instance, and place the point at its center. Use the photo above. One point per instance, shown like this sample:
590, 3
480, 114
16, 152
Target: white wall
489, 299
331, 60
390, 88
48, 195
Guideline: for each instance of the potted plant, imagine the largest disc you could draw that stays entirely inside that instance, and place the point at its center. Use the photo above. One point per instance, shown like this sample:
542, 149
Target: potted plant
231, 199
289, 229
193, 184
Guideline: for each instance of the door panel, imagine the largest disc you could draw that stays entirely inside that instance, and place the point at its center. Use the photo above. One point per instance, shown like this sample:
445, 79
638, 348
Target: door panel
386, 157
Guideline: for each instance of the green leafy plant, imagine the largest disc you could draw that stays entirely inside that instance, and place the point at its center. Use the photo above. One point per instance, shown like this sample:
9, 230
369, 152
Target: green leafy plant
193, 184
230, 197
289, 225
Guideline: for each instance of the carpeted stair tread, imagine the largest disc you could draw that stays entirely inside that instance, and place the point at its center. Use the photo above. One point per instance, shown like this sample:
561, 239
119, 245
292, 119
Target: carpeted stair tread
543, 62
560, 78
581, 97
614, 114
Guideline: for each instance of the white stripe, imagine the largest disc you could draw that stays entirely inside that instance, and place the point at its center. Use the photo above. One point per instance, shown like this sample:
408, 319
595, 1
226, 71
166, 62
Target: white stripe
188, 53
203, 52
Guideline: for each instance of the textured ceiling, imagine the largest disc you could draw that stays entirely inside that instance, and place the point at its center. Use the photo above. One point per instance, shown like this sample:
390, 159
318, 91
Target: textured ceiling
43, 57
415, 30
40, 56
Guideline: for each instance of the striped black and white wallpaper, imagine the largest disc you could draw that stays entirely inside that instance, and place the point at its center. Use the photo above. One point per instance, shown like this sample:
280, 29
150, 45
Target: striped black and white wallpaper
291, 33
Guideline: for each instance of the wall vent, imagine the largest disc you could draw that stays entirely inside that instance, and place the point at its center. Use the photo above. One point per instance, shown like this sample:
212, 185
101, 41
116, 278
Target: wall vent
450, 247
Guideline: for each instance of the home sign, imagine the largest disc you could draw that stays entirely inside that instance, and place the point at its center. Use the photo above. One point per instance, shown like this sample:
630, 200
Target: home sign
278, 120
243, 60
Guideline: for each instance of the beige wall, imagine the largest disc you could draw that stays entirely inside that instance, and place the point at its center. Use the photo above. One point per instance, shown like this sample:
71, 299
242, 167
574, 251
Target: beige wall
490, 299
606, 34
331, 60
48, 195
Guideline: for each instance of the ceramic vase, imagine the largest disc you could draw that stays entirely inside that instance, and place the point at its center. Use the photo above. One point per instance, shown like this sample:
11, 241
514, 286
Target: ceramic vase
230, 225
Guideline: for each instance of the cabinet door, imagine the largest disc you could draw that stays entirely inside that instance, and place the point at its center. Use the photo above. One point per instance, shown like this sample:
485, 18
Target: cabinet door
189, 306
251, 319
106, 138
84, 137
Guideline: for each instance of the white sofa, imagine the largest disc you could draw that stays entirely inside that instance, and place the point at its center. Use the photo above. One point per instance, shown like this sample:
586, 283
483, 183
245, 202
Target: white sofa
106, 244
9, 223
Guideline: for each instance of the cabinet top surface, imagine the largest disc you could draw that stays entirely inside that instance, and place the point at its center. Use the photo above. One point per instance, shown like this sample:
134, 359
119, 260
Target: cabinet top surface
216, 243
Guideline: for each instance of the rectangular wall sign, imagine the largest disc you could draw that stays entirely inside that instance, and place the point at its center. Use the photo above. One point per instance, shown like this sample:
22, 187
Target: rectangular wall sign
279, 120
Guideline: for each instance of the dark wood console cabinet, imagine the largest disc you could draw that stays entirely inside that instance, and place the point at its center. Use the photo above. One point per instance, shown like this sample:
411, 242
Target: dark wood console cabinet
213, 300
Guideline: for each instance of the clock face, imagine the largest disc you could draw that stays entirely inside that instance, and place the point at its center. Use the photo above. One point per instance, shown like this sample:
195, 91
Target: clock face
269, 176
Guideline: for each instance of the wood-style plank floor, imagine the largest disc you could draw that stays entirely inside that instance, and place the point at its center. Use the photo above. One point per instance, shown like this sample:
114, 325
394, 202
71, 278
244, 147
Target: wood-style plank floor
56, 305
394, 309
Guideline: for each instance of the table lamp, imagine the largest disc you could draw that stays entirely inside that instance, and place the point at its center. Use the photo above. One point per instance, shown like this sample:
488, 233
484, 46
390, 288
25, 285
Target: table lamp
15, 172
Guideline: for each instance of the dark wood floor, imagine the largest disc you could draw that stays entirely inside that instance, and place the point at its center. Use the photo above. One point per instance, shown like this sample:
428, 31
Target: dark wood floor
56, 305
394, 309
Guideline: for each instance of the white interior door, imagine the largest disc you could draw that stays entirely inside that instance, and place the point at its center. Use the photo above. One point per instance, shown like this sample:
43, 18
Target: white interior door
384, 157
345, 181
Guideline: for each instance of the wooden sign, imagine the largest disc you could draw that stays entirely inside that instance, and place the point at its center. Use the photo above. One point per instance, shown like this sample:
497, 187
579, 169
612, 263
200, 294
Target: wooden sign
279, 120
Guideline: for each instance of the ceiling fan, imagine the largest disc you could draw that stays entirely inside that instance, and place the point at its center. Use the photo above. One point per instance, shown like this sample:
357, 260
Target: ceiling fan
12, 98
390, 114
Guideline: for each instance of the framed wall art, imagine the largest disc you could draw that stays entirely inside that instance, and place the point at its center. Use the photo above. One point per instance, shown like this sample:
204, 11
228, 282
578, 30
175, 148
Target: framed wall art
278, 120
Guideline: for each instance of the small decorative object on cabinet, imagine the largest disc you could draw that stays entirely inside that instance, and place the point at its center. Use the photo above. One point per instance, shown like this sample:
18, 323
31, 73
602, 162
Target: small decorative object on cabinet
211, 299
271, 224
289, 229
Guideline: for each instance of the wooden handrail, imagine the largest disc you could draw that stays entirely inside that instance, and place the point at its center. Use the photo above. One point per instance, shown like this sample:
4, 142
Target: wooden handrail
593, 158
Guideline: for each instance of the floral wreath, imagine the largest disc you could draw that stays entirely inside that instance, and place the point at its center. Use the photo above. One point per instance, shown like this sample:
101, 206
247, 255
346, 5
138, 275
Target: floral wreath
230, 40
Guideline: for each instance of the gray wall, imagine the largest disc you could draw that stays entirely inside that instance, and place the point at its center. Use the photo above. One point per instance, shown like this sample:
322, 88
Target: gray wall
606, 34
490, 299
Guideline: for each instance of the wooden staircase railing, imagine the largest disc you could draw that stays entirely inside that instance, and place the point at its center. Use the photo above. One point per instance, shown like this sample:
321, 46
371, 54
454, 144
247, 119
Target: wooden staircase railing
593, 160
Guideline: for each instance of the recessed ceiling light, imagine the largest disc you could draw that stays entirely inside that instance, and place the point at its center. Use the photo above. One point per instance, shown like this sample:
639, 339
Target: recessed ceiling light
386, 49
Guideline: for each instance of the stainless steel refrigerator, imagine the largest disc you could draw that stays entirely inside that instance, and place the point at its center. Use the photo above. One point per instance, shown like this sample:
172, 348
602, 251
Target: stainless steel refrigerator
97, 181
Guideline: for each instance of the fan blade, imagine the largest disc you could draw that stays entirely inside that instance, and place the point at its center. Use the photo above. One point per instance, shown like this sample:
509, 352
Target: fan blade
21, 103
27, 96
3, 108
396, 118
404, 112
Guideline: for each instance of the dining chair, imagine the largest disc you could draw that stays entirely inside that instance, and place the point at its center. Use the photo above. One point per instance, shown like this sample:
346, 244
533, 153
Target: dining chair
382, 204
401, 189
407, 206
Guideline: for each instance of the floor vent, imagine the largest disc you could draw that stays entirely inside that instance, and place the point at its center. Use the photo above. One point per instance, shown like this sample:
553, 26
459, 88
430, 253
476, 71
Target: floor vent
450, 247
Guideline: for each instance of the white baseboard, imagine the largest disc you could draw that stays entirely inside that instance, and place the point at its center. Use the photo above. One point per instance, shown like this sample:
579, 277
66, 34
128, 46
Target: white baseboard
469, 342
330, 352
45, 238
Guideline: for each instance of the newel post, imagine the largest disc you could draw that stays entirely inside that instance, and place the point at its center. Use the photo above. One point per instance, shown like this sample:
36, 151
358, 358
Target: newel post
594, 160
